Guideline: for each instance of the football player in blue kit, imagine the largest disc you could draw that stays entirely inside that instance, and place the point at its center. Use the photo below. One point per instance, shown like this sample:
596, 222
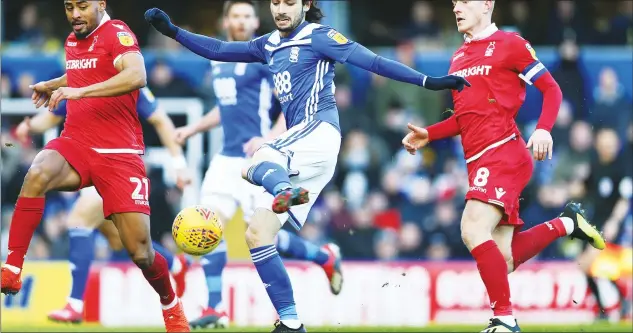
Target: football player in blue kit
297, 165
246, 107
87, 212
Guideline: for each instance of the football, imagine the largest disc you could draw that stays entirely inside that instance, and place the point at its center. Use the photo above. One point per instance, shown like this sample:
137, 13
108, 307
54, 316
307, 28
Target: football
197, 230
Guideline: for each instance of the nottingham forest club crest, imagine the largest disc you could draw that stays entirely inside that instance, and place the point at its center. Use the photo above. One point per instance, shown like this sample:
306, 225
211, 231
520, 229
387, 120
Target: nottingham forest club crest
125, 38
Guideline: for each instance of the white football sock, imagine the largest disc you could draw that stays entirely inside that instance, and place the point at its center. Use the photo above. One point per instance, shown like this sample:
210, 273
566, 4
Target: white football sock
76, 304
292, 323
176, 266
12, 269
569, 225
508, 320
171, 305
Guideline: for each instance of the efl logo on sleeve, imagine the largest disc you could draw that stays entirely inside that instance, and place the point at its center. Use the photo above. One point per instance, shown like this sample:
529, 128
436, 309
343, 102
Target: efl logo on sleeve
337, 36
125, 38
532, 51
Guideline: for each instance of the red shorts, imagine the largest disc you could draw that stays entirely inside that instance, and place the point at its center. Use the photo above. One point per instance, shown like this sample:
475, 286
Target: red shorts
120, 179
499, 176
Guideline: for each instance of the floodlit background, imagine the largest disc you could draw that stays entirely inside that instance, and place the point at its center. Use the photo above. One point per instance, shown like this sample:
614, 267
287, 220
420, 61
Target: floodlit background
388, 211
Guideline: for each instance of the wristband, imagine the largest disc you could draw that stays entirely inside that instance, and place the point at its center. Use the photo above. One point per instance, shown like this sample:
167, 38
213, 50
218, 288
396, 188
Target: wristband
179, 163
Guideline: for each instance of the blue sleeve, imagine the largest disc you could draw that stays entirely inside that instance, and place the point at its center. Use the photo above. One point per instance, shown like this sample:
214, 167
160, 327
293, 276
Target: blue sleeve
332, 44
215, 49
275, 108
146, 104
60, 111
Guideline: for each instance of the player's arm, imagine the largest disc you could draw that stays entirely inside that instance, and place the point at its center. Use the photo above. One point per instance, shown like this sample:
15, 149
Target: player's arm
447, 128
43, 90
334, 45
207, 122
522, 59
165, 129
131, 76
56, 83
278, 128
207, 47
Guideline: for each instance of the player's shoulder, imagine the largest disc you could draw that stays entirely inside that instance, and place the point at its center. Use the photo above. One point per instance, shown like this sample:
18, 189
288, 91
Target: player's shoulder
117, 26
511, 37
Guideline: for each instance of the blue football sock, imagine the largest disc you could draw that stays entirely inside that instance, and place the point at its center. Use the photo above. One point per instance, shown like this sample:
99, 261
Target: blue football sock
292, 246
81, 254
213, 264
272, 176
276, 281
169, 257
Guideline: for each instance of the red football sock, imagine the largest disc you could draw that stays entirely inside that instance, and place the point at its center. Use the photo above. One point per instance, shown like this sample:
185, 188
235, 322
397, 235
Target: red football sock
26, 217
158, 277
493, 270
528, 243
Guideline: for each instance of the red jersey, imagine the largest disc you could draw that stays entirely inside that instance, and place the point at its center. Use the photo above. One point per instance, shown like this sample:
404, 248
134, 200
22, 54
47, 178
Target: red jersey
498, 64
106, 124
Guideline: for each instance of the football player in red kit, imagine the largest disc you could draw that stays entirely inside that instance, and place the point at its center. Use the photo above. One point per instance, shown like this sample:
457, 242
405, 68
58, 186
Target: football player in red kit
499, 64
101, 145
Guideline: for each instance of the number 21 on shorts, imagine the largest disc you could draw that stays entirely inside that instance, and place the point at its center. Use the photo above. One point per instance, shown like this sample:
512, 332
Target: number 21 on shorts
142, 184
481, 177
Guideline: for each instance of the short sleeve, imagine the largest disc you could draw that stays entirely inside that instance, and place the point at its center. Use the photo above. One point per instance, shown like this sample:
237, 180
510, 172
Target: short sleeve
122, 41
146, 104
61, 110
626, 188
522, 59
332, 44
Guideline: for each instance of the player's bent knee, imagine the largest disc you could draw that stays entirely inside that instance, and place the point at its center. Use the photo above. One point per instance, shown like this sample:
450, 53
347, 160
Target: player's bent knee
262, 229
37, 180
268, 154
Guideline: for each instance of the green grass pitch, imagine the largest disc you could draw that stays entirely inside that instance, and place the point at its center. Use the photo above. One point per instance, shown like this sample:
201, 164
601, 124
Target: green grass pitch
603, 327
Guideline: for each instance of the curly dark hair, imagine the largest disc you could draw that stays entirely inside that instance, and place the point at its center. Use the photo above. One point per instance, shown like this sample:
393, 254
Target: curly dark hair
314, 14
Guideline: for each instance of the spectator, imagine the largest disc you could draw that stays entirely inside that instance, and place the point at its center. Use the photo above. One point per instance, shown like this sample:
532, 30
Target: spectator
612, 108
420, 102
574, 161
567, 24
386, 245
164, 83
564, 120
355, 242
30, 31
24, 81
411, 241
5, 86
621, 26
423, 29
570, 79
520, 14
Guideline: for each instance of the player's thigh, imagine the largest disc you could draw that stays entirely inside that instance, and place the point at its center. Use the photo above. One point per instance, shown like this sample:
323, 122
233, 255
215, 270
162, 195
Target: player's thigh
478, 221
313, 159
222, 185
87, 211
50, 171
111, 233
587, 258
122, 183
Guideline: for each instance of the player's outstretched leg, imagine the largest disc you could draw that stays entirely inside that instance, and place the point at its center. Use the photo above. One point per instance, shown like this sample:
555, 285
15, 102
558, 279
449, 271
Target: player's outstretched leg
328, 256
135, 235
178, 267
49, 171
275, 179
260, 237
213, 265
571, 222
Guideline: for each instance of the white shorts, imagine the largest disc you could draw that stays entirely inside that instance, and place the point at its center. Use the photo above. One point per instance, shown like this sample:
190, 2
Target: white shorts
309, 149
223, 187
89, 191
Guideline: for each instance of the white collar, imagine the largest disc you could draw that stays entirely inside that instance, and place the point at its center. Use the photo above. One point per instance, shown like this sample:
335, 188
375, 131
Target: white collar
491, 29
104, 19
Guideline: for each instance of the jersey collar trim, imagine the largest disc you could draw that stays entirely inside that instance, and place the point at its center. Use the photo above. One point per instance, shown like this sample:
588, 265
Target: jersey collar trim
104, 19
491, 29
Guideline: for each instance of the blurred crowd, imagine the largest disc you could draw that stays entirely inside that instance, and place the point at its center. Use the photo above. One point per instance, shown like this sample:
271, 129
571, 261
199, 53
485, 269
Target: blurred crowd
384, 204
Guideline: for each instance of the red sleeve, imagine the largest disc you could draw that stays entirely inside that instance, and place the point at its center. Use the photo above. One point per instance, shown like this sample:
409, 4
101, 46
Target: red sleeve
122, 40
522, 59
444, 129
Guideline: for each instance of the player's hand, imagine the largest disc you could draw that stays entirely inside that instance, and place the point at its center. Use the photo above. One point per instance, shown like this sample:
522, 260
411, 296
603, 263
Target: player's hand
181, 134
64, 93
41, 94
183, 178
452, 82
161, 22
417, 138
542, 144
252, 145
23, 129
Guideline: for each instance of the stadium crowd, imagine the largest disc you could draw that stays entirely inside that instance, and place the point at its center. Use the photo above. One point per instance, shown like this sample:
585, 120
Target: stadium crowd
406, 207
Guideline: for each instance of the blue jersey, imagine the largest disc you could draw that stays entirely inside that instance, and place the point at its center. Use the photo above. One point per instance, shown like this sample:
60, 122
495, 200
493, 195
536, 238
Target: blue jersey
145, 106
302, 66
246, 101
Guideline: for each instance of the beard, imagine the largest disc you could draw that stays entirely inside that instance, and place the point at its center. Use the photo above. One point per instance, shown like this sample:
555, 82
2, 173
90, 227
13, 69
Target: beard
294, 24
